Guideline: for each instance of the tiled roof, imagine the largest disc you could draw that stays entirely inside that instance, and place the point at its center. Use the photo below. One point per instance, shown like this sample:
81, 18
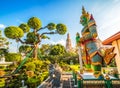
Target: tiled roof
112, 38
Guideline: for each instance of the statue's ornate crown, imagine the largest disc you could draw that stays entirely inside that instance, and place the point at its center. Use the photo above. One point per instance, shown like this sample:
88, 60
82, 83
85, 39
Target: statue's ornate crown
84, 13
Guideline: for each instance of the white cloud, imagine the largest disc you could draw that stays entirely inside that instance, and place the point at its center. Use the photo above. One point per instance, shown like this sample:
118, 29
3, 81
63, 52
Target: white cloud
2, 26
13, 46
61, 41
12, 49
108, 20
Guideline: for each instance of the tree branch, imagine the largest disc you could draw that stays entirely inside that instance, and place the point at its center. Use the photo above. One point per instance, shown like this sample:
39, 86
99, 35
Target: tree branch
21, 41
24, 42
48, 33
41, 28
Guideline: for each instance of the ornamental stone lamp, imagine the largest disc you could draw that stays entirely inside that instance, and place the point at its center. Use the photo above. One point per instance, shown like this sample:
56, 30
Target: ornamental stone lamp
107, 77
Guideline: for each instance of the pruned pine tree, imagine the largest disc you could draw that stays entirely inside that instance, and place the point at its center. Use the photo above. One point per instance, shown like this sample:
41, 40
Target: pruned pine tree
34, 35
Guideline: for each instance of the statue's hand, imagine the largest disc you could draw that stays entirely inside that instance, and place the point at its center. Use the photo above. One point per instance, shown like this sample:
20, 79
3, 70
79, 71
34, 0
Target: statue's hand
80, 41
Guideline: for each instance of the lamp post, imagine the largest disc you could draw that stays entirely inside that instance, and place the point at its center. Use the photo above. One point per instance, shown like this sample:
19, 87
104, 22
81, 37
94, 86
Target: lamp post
23, 83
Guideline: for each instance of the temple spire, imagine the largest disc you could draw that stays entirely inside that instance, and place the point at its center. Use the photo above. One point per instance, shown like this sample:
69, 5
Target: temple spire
68, 43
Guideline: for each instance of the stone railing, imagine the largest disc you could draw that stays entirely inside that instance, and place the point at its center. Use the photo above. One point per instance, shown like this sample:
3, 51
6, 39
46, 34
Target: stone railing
94, 83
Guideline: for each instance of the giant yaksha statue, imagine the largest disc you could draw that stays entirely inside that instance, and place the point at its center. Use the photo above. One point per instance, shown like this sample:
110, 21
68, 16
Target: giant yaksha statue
92, 55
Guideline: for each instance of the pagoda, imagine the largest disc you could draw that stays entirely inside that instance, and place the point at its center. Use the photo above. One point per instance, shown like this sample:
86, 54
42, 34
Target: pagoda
68, 43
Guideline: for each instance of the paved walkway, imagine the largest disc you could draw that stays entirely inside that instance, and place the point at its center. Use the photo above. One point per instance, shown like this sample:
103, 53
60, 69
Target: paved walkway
66, 80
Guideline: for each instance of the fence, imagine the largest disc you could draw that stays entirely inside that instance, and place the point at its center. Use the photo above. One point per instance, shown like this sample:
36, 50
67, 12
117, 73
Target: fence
96, 83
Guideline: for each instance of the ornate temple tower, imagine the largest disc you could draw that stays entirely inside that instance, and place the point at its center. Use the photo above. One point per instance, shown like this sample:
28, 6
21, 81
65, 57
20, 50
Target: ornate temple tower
68, 43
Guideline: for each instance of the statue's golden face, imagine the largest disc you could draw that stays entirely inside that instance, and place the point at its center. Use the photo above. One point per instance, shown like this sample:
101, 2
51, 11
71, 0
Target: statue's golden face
83, 20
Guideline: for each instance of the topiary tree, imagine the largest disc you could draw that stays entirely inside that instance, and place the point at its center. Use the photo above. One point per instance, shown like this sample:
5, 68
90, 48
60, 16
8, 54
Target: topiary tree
32, 30
3, 46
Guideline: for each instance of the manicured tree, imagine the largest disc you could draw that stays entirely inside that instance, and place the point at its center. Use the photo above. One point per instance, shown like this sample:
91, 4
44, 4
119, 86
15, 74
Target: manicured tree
3, 45
34, 35
57, 50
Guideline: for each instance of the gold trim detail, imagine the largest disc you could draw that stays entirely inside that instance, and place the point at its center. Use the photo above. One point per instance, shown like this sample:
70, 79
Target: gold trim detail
96, 63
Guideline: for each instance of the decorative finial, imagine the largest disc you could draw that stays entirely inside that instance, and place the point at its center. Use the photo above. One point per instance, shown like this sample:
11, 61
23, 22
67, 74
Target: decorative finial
77, 34
83, 10
107, 77
84, 13
68, 35
91, 17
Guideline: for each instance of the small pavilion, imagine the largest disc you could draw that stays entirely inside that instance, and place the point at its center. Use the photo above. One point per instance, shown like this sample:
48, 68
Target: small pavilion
114, 40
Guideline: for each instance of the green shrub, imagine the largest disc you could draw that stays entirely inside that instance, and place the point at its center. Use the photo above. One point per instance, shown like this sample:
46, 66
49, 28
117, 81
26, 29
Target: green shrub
30, 66
13, 57
32, 82
38, 63
2, 82
44, 75
2, 67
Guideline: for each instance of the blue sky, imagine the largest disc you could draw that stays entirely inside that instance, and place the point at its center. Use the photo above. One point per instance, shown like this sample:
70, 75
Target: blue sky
105, 12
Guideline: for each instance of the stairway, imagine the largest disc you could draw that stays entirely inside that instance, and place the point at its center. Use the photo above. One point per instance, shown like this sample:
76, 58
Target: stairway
66, 80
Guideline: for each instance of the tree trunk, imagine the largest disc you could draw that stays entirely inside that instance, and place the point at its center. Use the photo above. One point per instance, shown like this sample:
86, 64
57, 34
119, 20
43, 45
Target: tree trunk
35, 52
